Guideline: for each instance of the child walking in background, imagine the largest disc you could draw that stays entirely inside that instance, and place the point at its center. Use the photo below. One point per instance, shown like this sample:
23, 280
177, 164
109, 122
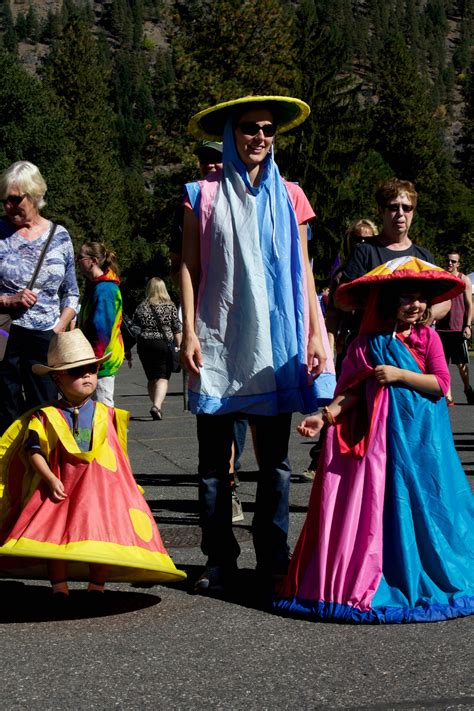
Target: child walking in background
389, 533
70, 508
100, 316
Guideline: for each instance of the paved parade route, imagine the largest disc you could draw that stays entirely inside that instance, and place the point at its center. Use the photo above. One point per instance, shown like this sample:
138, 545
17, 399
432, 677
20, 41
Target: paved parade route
165, 648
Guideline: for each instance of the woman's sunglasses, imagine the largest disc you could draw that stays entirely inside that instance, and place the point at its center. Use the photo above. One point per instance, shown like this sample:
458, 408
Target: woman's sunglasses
394, 207
83, 370
14, 199
250, 128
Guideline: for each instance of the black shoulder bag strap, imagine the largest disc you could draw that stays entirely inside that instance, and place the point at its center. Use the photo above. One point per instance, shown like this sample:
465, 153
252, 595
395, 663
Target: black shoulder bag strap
32, 281
160, 327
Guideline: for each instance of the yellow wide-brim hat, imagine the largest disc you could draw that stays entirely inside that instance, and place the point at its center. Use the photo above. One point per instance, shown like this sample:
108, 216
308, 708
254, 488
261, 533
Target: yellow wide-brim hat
70, 349
287, 111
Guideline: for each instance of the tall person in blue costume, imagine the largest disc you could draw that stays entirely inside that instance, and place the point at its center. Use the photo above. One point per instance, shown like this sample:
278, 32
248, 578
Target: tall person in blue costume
252, 339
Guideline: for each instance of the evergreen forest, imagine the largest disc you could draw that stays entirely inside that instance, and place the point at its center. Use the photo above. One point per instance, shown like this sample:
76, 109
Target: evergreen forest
99, 95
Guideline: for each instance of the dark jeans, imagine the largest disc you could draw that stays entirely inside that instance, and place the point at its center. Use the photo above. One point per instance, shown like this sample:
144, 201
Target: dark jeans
20, 388
240, 433
270, 522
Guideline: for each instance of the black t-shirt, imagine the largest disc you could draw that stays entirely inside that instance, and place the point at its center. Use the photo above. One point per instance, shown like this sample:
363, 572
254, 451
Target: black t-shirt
368, 255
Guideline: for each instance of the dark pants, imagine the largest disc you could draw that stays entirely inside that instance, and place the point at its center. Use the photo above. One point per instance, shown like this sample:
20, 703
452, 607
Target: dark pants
240, 433
20, 388
270, 522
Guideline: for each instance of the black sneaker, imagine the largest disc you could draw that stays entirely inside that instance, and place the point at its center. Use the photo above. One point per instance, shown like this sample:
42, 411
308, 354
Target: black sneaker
469, 395
215, 579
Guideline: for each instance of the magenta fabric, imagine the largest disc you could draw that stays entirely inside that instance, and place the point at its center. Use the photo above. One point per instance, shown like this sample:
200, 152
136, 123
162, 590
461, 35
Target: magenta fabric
426, 347
346, 566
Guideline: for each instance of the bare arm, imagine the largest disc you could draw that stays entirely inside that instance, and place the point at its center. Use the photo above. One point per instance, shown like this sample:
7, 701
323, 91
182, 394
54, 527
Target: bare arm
424, 383
341, 403
315, 342
67, 315
468, 308
191, 355
439, 311
40, 465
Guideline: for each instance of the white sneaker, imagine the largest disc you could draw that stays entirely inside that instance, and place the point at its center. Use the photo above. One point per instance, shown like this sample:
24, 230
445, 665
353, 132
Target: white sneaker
237, 512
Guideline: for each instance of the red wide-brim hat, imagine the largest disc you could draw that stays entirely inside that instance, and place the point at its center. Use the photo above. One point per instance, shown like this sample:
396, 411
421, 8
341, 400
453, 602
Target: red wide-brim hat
438, 284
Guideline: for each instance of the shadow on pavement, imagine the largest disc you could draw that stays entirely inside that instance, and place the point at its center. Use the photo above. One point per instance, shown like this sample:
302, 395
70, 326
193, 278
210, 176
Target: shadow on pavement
34, 603
249, 590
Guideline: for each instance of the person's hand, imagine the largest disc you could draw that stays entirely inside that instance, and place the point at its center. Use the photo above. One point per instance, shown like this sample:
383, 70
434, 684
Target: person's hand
24, 299
56, 488
316, 351
311, 426
467, 333
59, 328
386, 374
191, 356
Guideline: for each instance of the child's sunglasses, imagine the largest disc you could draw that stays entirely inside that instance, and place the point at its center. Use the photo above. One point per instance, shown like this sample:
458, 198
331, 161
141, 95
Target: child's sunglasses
83, 370
250, 128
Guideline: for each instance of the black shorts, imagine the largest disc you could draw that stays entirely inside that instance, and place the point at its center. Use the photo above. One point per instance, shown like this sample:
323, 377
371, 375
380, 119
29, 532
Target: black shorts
455, 347
155, 358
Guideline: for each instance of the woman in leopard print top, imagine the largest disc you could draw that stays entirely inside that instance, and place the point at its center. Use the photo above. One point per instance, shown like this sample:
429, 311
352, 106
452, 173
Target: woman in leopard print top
152, 344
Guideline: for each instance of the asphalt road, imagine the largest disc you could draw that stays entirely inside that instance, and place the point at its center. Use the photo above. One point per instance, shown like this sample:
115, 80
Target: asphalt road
164, 648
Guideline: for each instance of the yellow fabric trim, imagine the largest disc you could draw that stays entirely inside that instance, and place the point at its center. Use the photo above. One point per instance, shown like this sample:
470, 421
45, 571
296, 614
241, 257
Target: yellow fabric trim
122, 418
11, 443
107, 553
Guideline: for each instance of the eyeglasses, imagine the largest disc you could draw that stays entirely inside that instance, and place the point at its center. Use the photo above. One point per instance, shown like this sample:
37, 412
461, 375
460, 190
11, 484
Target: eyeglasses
250, 128
14, 199
394, 207
83, 370
452, 261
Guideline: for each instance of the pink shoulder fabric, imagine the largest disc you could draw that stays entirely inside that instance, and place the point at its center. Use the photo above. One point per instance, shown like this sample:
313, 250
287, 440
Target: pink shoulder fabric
304, 211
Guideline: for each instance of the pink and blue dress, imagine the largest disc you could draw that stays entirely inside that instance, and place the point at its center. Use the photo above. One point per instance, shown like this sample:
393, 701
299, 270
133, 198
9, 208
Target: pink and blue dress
389, 535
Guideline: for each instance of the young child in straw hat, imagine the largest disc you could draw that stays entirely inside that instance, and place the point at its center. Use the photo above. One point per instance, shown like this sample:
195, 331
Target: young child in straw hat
70, 508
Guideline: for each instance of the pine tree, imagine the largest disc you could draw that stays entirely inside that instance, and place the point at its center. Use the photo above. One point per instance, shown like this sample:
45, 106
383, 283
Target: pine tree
466, 153
32, 25
328, 144
221, 53
406, 132
38, 135
410, 137
10, 39
74, 71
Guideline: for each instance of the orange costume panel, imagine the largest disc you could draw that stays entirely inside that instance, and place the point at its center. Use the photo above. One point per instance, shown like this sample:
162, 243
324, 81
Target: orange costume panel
104, 519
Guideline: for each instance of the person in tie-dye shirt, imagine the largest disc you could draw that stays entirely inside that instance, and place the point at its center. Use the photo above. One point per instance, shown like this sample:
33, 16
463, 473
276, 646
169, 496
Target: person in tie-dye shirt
101, 313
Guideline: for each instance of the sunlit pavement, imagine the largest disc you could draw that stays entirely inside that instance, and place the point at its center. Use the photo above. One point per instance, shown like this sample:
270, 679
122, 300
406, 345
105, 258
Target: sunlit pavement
165, 648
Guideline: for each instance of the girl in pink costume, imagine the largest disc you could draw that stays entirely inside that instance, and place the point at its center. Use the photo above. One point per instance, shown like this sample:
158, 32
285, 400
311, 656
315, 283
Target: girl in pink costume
389, 533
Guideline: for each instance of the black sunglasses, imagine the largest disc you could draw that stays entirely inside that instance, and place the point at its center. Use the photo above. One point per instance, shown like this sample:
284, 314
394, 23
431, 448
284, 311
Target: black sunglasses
83, 369
394, 207
14, 199
250, 128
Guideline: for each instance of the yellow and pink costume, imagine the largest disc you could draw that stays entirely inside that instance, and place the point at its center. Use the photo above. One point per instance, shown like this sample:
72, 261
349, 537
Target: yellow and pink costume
104, 519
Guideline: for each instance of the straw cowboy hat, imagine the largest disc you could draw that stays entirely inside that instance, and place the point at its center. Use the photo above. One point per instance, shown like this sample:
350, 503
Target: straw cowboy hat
437, 283
70, 349
287, 112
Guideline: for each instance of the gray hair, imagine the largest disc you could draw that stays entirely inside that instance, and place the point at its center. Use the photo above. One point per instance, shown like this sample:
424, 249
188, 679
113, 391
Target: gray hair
27, 178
